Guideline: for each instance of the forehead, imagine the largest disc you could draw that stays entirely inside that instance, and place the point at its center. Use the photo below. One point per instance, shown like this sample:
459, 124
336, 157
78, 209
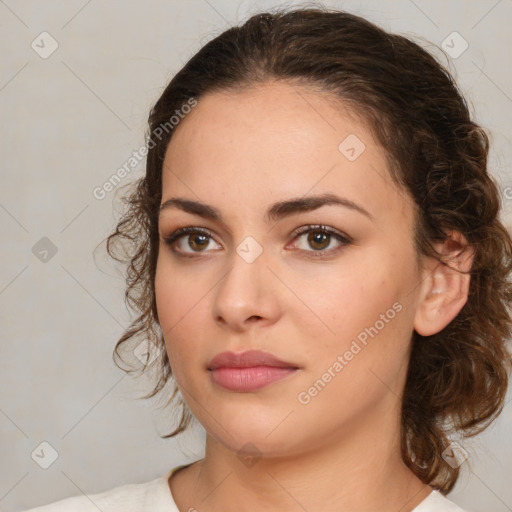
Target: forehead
273, 141
276, 119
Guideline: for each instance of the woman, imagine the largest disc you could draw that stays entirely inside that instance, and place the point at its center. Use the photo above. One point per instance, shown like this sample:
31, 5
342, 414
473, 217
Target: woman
316, 246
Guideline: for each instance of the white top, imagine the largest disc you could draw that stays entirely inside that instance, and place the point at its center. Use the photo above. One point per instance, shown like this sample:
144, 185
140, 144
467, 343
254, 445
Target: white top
155, 496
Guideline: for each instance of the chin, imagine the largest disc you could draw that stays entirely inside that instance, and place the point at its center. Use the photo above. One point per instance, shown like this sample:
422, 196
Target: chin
256, 443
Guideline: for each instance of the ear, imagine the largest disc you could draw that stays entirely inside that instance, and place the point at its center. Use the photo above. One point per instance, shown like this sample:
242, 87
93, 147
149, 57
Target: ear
444, 288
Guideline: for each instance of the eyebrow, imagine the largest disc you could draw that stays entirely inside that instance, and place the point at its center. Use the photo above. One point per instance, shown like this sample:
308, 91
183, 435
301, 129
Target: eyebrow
276, 211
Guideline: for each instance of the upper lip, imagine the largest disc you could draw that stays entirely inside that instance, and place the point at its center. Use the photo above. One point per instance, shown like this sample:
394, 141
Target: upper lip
247, 359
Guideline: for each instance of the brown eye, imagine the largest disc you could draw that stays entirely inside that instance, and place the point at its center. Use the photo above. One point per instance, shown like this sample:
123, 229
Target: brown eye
198, 242
318, 240
189, 240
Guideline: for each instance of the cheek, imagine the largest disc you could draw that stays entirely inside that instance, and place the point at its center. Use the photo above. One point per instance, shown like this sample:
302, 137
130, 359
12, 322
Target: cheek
178, 305
177, 293
363, 302
346, 297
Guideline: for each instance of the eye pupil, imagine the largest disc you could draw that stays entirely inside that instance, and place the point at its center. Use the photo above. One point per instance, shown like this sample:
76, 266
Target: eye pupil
318, 237
193, 240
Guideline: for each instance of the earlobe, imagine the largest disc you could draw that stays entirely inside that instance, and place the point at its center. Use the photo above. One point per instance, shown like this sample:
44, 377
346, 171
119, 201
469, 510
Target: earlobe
445, 286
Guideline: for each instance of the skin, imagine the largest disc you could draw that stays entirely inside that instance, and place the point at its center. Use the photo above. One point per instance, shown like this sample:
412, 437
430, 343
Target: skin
241, 152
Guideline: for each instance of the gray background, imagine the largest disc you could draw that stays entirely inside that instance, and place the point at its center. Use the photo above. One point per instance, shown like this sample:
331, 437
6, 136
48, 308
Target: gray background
69, 121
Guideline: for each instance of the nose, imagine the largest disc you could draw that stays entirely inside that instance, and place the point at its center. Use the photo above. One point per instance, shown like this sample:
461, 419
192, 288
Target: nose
247, 295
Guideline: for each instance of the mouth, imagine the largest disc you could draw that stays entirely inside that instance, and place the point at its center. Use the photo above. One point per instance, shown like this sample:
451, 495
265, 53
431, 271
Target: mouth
248, 371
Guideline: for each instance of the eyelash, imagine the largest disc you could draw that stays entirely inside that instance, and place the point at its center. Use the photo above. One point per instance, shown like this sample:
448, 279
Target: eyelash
341, 237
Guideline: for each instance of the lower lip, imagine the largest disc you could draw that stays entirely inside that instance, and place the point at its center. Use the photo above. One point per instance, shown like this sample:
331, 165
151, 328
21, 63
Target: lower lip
249, 379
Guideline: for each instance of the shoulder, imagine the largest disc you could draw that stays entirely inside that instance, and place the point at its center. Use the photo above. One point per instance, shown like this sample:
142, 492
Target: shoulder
125, 498
437, 502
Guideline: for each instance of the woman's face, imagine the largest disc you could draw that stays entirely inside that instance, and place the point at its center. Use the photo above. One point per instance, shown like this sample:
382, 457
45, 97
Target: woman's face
336, 304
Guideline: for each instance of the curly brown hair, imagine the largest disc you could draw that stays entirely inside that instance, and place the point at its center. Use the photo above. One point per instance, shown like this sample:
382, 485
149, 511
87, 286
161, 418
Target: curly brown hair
457, 378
